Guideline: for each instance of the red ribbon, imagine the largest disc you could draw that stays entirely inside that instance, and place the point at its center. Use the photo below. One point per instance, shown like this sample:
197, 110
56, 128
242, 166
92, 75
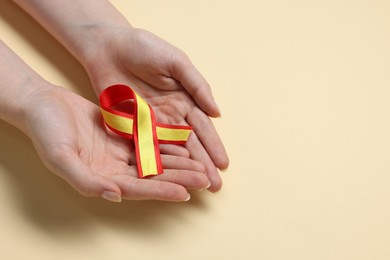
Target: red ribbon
141, 127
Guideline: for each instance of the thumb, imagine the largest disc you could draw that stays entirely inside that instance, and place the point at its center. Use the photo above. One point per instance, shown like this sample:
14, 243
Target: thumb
87, 183
93, 185
196, 85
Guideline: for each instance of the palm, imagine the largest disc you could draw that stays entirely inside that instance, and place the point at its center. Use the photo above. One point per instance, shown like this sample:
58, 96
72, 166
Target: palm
75, 145
79, 128
150, 66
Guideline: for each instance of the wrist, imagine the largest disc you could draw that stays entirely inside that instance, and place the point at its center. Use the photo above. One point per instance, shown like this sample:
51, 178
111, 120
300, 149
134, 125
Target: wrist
95, 41
27, 102
17, 86
16, 106
99, 56
83, 27
102, 60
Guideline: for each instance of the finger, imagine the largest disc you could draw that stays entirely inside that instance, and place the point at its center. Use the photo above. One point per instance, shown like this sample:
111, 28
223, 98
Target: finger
182, 163
187, 179
177, 150
195, 84
148, 189
183, 171
198, 153
208, 136
79, 176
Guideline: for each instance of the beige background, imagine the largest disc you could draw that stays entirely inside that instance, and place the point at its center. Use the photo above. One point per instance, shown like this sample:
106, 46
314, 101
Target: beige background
304, 89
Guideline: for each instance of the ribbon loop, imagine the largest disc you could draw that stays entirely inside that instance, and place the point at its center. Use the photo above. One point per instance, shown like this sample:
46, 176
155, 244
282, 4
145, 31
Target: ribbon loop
141, 127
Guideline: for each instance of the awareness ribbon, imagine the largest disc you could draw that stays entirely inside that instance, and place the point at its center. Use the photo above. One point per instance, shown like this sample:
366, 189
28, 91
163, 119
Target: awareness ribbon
140, 126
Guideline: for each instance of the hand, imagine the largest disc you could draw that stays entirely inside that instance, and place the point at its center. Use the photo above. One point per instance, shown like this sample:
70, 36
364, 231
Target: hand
68, 134
165, 77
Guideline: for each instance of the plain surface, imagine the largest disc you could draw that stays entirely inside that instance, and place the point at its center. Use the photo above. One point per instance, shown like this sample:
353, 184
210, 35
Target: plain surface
304, 91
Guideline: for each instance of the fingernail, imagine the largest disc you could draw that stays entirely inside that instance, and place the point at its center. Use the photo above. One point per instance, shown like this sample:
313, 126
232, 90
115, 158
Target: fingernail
224, 170
208, 186
111, 196
219, 110
188, 197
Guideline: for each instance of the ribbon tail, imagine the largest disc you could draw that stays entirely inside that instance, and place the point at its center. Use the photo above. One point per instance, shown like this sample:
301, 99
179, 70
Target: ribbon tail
145, 140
